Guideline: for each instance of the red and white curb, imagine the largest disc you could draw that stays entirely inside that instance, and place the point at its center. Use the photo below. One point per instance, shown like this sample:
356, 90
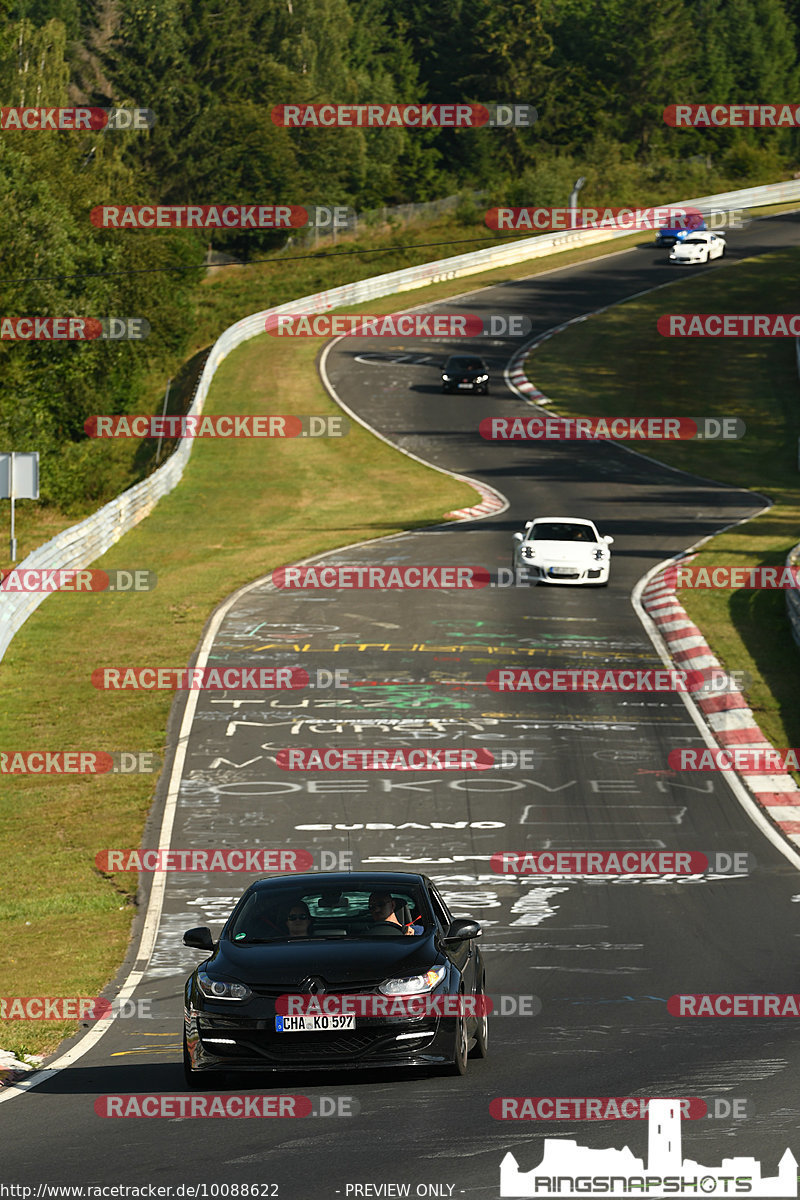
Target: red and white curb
727, 716
492, 502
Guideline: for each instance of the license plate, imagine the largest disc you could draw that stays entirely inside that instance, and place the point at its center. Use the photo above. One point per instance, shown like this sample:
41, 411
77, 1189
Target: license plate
563, 571
465, 385
323, 1023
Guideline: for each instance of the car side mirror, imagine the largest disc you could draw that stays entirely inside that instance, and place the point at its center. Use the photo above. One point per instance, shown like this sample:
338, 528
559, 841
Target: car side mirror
462, 929
518, 537
199, 938
609, 540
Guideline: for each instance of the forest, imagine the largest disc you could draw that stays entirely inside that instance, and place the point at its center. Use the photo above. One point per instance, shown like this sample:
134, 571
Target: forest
599, 72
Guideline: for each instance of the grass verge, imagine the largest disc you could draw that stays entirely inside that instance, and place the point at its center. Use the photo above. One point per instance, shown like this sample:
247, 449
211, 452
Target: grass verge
616, 364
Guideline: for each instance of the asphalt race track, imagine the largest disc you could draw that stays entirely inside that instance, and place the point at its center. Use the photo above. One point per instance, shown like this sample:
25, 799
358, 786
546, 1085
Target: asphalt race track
602, 956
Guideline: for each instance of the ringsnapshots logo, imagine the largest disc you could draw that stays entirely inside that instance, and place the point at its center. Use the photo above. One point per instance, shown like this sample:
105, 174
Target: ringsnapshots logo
491, 114
77, 579
617, 429
223, 425
78, 762
741, 325
394, 325
732, 116
74, 329
75, 119
633, 219
187, 1107
568, 1169
222, 216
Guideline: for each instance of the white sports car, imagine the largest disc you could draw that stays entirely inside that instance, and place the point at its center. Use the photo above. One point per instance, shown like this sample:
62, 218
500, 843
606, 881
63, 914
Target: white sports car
562, 550
698, 247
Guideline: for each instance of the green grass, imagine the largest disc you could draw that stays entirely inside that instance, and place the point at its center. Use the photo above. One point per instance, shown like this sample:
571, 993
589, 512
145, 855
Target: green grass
617, 364
240, 510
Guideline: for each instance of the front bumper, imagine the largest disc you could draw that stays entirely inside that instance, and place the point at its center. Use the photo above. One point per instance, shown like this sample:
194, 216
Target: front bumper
543, 573
252, 1044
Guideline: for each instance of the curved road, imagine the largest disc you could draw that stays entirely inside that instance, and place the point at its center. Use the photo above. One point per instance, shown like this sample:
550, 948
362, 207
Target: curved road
602, 956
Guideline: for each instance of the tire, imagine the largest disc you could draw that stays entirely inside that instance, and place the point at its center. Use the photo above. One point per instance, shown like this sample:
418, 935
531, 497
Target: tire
481, 1047
460, 1042
194, 1079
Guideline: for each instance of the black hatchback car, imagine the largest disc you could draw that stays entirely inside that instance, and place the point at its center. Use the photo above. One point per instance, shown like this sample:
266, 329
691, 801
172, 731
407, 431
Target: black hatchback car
465, 373
389, 976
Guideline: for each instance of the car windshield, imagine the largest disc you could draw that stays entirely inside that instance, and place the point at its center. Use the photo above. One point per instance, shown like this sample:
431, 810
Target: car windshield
561, 531
463, 364
694, 241
364, 911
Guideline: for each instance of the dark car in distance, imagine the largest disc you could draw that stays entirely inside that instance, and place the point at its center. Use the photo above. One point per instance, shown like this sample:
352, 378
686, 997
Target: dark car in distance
465, 373
343, 950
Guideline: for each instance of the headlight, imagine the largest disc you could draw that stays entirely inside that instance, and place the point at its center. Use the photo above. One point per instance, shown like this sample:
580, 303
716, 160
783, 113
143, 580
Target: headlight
446, 378
412, 984
482, 379
529, 551
599, 552
221, 989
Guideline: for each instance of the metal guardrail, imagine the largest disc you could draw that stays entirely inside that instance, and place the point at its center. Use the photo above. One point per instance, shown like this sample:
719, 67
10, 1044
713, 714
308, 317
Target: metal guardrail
81, 544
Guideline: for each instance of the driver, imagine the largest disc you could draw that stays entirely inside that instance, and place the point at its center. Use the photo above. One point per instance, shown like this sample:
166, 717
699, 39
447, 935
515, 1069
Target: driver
381, 907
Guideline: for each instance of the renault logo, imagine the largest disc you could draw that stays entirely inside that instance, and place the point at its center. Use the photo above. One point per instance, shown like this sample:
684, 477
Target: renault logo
313, 985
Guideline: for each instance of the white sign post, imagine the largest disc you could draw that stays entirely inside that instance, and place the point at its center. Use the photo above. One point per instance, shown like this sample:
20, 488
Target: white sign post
19, 480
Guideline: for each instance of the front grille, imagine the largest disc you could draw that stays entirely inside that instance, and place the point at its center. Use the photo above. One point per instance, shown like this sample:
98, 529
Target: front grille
311, 1047
293, 989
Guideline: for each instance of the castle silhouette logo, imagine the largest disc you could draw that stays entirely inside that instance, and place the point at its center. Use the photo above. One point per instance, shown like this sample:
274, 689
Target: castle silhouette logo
568, 1169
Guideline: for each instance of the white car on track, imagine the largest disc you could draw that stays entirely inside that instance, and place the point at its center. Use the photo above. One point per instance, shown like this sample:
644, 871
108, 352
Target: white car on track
698, 247
563, 550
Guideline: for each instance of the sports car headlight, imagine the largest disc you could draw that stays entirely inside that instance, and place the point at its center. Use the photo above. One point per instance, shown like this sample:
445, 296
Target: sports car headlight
529, 551
221, 989
599, 552
446, 378
481, 379
413, 984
